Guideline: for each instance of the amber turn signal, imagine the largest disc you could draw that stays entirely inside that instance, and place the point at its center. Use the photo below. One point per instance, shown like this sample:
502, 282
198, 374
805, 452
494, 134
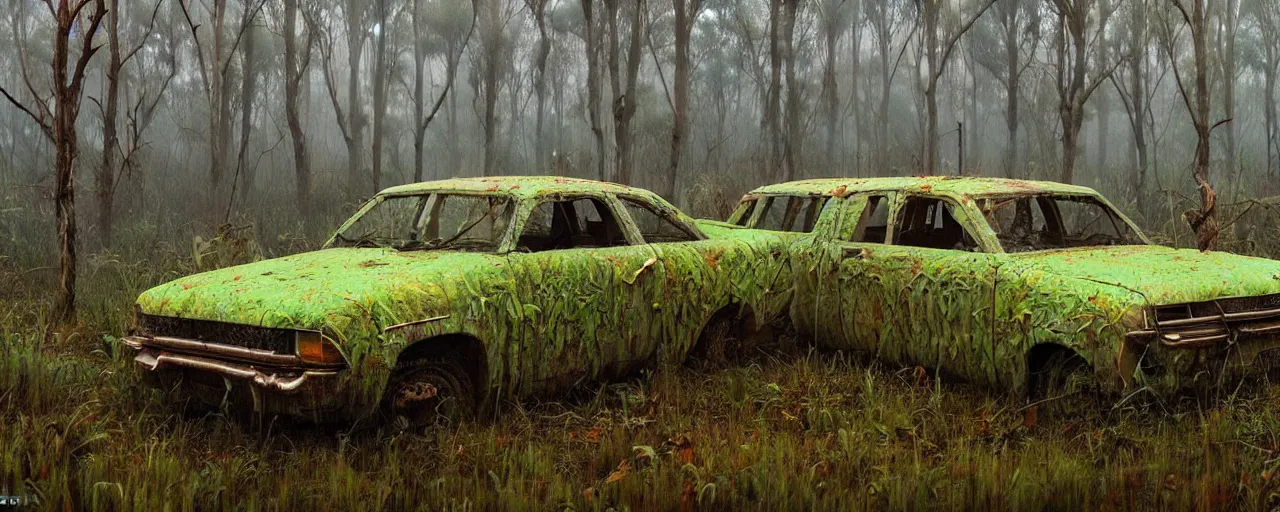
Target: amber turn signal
314, 348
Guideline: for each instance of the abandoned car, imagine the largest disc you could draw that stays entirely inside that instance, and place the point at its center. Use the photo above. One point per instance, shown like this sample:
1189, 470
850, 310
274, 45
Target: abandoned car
1014, 284
439, 298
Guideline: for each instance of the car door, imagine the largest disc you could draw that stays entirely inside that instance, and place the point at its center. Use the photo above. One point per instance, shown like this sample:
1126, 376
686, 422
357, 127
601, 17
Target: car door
840, 295
690, 278
815, 260
932, 283
572, 293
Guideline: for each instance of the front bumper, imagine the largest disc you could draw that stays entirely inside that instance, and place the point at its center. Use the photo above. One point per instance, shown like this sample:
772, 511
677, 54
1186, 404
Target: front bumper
241, 378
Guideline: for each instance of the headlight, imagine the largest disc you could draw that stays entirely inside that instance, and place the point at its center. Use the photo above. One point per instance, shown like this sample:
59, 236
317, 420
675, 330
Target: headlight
312, 347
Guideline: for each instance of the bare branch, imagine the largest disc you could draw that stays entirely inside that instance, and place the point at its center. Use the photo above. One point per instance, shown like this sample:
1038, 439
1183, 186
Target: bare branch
454, 66
41, 121
950, 44
145, 35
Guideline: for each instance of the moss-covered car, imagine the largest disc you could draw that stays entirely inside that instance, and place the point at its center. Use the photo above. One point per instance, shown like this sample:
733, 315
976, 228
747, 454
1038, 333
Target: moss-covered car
449, 295
1014, 284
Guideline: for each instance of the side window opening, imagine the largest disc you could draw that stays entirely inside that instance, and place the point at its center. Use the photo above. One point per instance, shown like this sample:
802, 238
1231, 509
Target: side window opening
873, 226
1044, 222
796, 214
570, 224
928, 222
656, 227
742, 214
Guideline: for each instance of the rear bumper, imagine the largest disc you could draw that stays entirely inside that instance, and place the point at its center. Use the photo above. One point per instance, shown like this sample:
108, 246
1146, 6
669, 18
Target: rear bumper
241, 378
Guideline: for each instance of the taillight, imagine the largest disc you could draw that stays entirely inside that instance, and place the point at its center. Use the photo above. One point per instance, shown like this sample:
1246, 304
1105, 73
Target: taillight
312, 347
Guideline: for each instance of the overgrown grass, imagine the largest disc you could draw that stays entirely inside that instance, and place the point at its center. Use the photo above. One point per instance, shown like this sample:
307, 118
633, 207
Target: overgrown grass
786, 428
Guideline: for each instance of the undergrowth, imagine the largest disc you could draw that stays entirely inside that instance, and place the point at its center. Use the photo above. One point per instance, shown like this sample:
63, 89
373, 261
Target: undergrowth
787, 428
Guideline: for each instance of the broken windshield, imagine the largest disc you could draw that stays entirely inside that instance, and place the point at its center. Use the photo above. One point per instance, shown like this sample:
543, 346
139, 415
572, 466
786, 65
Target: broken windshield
1050, 221
431, 221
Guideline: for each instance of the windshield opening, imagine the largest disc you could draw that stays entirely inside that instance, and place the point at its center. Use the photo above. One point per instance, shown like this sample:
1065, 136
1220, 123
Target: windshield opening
1046, 222
431, 221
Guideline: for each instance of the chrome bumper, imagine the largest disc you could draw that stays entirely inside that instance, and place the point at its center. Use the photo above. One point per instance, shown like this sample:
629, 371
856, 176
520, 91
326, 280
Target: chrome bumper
284, 373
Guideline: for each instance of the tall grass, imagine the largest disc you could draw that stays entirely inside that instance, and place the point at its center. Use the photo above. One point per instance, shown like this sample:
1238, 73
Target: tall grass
786, 428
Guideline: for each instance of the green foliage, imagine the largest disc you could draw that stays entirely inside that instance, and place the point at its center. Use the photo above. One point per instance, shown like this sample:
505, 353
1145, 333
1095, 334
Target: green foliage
782, 431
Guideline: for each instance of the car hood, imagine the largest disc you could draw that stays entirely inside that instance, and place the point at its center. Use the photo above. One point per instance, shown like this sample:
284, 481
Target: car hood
327, 288
1162, 275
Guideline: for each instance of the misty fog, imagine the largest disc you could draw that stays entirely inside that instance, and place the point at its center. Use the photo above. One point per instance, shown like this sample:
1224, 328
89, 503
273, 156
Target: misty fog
304, 108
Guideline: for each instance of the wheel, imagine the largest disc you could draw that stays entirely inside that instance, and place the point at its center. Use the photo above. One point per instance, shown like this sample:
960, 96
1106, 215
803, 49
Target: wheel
1063, 385
719, 342
430, 391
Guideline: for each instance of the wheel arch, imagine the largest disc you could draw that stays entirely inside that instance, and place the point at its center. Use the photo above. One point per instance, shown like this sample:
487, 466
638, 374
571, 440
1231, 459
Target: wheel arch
467, 349
1036, 357
739, 310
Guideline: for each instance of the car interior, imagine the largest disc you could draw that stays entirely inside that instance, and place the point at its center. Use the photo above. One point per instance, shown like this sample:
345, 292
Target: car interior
570, 224
796, 214
928, 222
873, 226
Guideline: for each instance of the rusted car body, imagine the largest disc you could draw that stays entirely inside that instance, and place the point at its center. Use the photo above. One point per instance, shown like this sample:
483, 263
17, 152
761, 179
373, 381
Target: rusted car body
490, 287
992, 280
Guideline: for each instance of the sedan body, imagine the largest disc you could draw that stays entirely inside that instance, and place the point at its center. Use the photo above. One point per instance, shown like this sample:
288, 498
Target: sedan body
992, 280
469, 290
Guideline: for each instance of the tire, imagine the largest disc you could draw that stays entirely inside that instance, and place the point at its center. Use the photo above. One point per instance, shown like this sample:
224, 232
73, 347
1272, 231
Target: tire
430, 391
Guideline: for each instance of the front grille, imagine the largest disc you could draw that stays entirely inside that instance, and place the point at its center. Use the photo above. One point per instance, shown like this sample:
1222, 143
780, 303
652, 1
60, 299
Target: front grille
279, 341
1199, 324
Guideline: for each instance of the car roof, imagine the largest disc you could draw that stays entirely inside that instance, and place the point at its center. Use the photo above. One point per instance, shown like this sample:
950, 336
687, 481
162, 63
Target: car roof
519, 187
959, 186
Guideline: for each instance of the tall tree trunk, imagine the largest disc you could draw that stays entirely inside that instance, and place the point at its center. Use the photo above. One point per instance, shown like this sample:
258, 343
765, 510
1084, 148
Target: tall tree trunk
379, 94
773, 101
1013, 68
930, 15
1230, 20
1269, 108
220, 107
247, 93
791, 141
886, 94
624, 89
104, 186
1204, 222
855, 99
591, 38
492, 39
686, 13
538, 9
293, 77
356, 118
61, 131
1138, 86
419, 91
830, 93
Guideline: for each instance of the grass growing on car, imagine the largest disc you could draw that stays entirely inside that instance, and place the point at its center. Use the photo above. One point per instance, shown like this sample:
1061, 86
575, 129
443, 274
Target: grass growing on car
782, 429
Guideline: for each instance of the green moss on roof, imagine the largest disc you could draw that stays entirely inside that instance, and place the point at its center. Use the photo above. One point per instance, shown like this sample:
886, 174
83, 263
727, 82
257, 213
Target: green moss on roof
943, 185
517, 186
